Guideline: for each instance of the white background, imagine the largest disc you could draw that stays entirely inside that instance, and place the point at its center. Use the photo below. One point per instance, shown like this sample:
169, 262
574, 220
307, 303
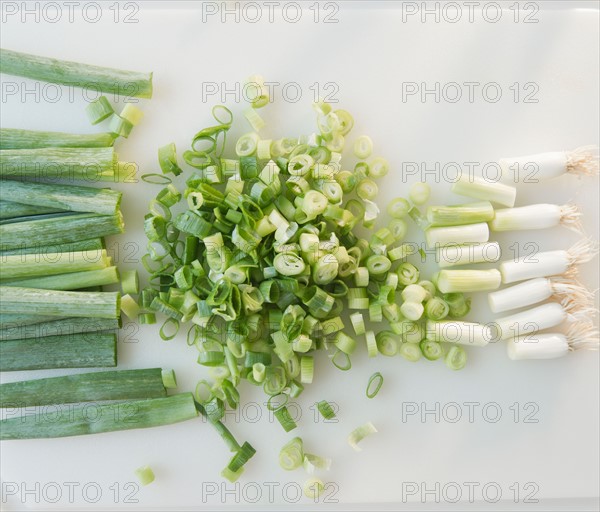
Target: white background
368, 54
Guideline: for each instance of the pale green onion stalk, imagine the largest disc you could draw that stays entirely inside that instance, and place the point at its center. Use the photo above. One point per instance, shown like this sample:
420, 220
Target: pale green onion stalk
313, 462
570, 293
412, 310
532, 320
582, 161
549, 263
13, 138
484, 190
116, 81
358, 434
461, 333
460, 214
580, 336
419, 193
454, 255
142, 414
453, 235
450, 281
537, 216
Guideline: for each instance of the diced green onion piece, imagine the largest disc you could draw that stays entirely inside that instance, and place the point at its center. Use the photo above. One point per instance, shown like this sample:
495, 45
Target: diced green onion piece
306, 369
167, 159
410, 351
98, 110
459, 304
363, 147
419, 193
119, 127
291, 455
414, 293
132, 114
456, 358
407, 274
325, 409
313, 488
398, 208
283, 416
358, 434
358, 323
436, 309
145, 475
312, 462
387, 343
374, 385
432, 350
367, 189
130, 281
130, 307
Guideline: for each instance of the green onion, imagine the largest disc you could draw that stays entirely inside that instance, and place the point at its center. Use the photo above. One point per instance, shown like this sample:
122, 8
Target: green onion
450, 281
36, 265
59, 303
398, 208
10, 210
62, 197
17, 328
73, 350
84, 387
326, 410
407, 274
374, 385
13, 138
91, 164
59, 230
419, 193
107, 80
312, 462
284, 418
71, 281
436, 309
484, 190
99, 109
387, 343
460, 214
459, 305
145, 475
313, 488
291, 454
363, 147
410, 351
462, 333
432, 350
457, 235
96, 244
456, 358
106, 418
358, 434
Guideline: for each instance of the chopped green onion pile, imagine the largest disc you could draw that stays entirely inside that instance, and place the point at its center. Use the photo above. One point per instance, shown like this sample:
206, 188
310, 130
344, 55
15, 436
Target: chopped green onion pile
261, 253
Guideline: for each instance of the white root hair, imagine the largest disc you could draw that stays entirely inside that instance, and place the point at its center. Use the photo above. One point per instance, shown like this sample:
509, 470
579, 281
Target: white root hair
583, 251
583, 161
583, 336
570, 217
573, 296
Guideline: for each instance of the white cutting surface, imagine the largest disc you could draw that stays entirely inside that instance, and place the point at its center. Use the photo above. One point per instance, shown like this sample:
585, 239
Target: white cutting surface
368, 54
